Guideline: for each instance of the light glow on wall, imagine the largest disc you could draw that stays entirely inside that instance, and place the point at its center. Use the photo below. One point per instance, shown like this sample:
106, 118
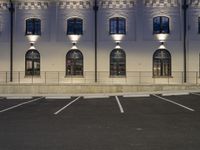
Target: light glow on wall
32, 38
162, 37
74, 38
117, 37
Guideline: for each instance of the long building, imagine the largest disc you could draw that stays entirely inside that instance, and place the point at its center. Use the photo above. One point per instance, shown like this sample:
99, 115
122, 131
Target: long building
100, 41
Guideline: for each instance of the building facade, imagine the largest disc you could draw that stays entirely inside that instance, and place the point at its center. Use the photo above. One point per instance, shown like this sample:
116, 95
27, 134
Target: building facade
103, 41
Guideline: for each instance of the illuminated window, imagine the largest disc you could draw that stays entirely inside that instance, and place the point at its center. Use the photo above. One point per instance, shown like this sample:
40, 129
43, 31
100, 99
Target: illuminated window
161, 63
74, 26
33, 26
74, 63
117, 63
117, 25
161, 25
32, 63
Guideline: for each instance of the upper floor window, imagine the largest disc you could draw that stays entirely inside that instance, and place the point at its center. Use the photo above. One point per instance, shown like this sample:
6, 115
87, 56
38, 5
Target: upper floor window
33, 26
117, 63
74, 26
161, 25
32, 63
117, 25
161, 63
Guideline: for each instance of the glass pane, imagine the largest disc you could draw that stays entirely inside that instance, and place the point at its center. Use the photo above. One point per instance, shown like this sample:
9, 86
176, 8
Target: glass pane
156, 25
122, 26
165, 25
113, 26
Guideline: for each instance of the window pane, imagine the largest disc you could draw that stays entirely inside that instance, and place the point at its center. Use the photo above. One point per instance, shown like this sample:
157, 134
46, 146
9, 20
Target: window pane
156, 25
122, 26
165, 25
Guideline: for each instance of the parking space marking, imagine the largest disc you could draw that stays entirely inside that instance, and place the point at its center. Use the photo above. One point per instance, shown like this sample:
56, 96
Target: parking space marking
18, 105
136, 95
58, 97
165, 99
95, 96
57, 112
14, 97
195, 94
175, 94
119, 104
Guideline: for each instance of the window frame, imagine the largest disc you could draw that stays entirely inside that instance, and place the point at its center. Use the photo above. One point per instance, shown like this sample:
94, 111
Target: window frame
161, 63
75, 26
34, 22
73, 73
117, 65
161, 25
34, 71
117, 20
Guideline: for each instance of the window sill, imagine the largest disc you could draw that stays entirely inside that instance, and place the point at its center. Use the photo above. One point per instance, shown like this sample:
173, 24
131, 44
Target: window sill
32, 76
118, 76
74, 76
161, 77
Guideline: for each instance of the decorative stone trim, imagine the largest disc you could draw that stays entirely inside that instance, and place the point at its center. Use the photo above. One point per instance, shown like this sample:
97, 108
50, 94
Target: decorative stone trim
32, 5
195, 3
84, 4
117, 3
161, 3
4, 5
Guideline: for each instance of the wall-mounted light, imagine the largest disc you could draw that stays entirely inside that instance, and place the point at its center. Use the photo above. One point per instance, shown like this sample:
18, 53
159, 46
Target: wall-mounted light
162, 46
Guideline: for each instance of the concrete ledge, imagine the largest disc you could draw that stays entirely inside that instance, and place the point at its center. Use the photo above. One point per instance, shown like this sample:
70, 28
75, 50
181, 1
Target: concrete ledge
91, 89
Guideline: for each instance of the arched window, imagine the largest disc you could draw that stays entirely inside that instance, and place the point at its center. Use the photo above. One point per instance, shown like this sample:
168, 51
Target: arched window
117, 63
74, 26
117, 25
33, 26
161, 63
161, 25
32, 63
74, 63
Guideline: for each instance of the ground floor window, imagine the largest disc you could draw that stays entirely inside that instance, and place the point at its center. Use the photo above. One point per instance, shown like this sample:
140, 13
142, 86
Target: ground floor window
117, 63
161, 63
32, 63
74, 63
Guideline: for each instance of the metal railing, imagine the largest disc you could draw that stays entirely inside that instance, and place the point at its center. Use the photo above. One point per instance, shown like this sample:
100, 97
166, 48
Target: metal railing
103, 77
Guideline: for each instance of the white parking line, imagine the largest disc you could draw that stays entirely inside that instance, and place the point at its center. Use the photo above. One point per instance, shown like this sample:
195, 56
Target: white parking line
18, 105
95, 96
15, 97
175, 94
195, 94
136, 95
119, 104
173, 102
66, 105
58, 97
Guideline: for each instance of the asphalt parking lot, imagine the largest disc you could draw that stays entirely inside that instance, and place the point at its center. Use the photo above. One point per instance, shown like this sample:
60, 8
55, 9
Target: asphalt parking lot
155, 122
